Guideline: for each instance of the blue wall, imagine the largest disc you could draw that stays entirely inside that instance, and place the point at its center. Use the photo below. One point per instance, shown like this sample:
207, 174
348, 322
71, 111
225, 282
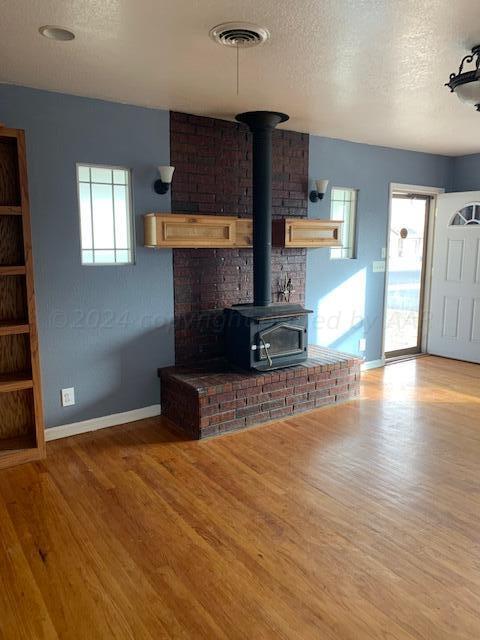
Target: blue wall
466, 173
103, 330
345, 295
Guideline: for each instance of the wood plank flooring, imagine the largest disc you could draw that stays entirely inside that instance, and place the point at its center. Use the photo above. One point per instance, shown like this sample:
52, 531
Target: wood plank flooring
359, 521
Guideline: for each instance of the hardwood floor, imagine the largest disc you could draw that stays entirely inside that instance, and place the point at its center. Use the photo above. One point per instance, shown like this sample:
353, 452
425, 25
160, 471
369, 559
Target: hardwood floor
359, 521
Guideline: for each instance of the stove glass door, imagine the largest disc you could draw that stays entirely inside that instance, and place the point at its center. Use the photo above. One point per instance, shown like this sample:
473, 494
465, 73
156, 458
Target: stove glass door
281, 340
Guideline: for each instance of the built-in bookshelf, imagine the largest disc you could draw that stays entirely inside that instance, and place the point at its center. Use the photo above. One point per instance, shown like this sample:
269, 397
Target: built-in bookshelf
21, 414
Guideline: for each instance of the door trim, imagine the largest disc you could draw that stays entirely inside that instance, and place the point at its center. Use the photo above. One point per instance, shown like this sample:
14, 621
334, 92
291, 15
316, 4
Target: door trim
420, 190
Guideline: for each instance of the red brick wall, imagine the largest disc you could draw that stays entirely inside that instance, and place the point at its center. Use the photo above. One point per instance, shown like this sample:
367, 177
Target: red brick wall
213, 175
208, 401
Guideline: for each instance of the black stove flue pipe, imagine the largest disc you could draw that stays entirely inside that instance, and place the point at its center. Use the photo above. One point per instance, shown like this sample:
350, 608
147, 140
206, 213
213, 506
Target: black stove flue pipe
262, 124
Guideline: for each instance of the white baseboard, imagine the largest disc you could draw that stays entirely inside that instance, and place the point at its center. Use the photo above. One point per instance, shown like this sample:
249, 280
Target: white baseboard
373, 364
65, 430
75, 428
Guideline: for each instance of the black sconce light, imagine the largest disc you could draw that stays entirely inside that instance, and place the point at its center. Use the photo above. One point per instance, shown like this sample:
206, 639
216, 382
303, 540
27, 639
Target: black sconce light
162, 185
318, 193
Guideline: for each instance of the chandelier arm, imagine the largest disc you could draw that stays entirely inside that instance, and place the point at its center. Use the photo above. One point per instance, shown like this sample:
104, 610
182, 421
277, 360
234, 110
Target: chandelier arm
466, 59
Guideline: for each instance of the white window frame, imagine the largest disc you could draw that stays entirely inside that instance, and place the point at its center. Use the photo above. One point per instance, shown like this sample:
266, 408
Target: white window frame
130, 216
349, 231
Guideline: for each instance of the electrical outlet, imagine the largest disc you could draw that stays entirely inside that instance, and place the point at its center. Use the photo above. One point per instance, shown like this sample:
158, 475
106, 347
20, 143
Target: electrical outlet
68, 397
379, 266
362, 344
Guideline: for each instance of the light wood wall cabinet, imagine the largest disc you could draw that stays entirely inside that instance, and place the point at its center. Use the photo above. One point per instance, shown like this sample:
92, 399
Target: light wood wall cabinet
307, 232
21, 414
244, 233
171, 230
189, 231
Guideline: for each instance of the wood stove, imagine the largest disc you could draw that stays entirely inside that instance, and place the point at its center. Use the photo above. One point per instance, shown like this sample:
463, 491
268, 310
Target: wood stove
266, 337
263, 335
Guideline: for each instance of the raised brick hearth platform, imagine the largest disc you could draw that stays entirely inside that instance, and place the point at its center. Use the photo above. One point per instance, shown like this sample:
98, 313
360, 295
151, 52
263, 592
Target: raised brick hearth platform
212, 398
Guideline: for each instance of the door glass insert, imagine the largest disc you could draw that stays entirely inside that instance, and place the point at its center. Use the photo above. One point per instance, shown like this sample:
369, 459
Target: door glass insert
405, 277
469, 215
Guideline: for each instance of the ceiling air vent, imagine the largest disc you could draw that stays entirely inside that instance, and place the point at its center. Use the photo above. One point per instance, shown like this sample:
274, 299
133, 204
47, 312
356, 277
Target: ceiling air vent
239, 34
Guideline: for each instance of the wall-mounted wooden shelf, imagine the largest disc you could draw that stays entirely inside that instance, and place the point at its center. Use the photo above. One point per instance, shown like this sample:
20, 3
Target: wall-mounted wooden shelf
166, 230
244, 234
189, 231
307, 232
21, 414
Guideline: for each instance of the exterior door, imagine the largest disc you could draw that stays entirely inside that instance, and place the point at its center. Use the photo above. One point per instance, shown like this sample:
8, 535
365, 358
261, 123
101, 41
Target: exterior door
406, 274
454, 327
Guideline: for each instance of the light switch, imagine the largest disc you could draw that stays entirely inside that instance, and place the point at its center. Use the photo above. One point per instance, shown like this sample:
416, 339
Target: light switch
379, 266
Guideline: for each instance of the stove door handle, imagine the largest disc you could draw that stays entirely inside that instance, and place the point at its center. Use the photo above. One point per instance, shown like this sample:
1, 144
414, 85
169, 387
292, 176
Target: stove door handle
270, 362
254, 347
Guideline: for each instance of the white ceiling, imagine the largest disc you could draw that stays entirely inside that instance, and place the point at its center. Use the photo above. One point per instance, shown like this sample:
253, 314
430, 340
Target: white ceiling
364, 70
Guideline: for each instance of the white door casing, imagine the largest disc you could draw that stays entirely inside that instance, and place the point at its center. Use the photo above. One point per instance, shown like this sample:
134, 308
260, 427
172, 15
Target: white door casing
454, 325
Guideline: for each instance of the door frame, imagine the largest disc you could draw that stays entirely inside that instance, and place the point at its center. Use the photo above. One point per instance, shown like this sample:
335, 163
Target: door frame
419, 190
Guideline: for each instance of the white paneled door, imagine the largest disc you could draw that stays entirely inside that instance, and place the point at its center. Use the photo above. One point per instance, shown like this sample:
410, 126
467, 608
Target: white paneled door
454, 327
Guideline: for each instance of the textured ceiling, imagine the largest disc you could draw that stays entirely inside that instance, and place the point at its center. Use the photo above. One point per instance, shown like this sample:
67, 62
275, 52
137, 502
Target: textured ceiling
364, 70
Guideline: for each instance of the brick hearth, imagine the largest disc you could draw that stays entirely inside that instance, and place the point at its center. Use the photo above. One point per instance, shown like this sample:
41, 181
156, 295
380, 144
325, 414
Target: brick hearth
212, 398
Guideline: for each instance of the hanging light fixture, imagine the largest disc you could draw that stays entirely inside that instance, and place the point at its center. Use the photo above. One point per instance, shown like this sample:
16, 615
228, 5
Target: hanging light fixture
466, 84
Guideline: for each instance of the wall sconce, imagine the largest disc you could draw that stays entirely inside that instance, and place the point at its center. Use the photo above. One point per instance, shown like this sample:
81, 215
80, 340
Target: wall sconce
321, 188
162, 185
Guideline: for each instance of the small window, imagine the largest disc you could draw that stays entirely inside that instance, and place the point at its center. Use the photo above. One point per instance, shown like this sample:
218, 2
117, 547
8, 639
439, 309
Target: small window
344, 208
469, 215
105, 215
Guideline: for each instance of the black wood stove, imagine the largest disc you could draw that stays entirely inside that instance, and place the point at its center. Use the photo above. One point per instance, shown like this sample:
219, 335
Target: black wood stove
264, 335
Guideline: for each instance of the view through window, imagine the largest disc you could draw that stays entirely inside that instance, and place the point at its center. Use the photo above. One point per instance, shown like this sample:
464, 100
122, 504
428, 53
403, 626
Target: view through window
105, 215
344, 207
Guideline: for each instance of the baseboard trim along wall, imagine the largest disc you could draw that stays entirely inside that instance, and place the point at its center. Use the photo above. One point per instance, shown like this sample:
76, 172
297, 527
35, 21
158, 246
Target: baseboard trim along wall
373, 364
75, 428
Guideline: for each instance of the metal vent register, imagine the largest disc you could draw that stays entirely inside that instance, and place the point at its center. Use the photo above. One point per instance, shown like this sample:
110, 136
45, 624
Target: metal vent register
239, 34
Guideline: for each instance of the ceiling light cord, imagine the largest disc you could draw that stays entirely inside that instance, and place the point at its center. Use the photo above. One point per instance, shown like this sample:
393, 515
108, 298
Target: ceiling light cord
238, 70
239, 35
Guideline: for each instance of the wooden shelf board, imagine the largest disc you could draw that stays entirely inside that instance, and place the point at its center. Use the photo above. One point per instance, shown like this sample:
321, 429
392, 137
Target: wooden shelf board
19, 443
6, 210
15, 382
11, 328
17, 270
19, 451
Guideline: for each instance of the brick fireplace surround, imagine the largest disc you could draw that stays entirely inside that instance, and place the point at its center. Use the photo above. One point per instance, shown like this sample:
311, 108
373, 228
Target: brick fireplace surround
213, 175
202, 394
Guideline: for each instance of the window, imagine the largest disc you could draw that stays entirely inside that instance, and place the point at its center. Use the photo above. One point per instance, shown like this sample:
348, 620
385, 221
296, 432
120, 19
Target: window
344, 207
105, 215
470, 215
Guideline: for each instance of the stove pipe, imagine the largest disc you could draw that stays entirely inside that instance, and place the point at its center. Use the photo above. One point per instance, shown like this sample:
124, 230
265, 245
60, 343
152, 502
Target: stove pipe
262, 124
